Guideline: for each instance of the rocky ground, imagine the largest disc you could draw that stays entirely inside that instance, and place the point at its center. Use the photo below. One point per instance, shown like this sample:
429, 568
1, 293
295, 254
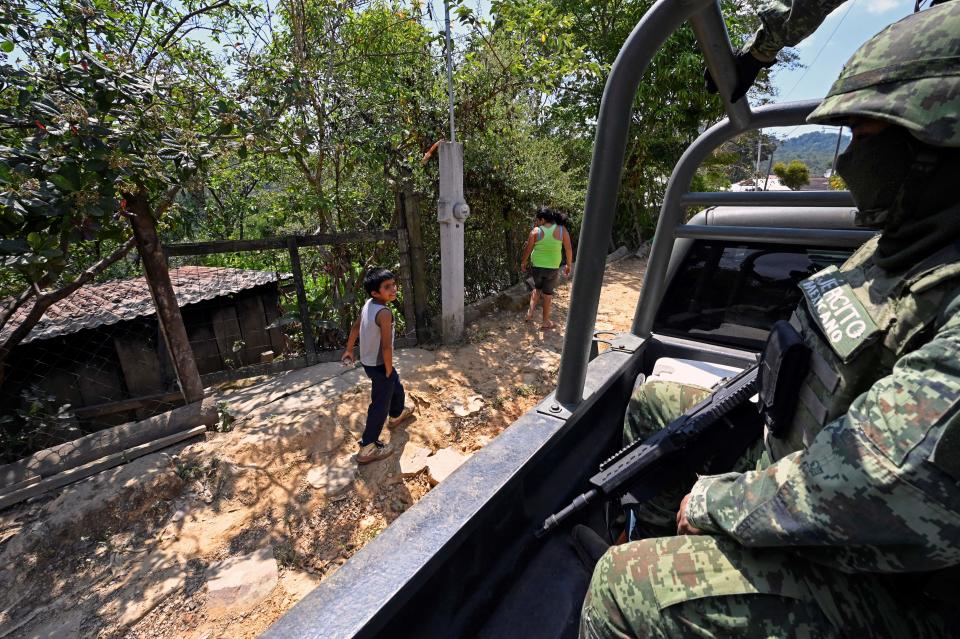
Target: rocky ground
218, 538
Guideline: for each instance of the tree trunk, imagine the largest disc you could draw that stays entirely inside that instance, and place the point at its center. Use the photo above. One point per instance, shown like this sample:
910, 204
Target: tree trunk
164, 298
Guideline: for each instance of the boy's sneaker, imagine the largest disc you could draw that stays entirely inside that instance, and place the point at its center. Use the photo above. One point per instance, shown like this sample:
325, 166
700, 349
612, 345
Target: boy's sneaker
373, 452
404, 415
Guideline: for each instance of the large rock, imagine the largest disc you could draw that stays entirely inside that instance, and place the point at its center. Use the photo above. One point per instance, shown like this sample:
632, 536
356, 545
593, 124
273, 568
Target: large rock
468, 406
239, 583
618, 255
444, 462
544, 363
413, 460
516, 300
334, 478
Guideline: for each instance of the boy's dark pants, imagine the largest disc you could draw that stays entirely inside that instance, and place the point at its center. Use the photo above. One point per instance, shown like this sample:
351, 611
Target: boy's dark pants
386, 398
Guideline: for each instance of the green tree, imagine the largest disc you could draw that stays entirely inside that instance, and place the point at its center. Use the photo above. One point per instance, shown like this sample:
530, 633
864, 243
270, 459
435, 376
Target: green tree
105, 112
737, 158
349, 90
672, 105
794, 175
837, 183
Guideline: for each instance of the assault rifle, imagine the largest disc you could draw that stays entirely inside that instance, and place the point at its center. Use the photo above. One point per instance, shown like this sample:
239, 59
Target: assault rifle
642, 455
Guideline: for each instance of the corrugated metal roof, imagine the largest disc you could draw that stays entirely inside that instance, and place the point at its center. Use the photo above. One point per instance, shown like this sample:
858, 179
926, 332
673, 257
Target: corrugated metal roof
120, 300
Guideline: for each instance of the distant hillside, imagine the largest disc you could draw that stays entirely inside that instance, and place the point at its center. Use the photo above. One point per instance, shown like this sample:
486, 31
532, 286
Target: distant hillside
813, 149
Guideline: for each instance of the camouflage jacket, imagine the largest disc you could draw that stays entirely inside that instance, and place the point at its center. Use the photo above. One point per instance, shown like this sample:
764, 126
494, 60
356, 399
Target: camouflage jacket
787, 22
858, 321
878, 488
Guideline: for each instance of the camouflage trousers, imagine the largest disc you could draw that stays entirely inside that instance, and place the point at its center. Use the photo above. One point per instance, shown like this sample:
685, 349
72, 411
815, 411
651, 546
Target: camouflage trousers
704, 586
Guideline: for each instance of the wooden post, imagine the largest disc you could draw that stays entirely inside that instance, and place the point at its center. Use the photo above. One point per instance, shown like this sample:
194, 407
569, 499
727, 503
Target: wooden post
308, 343
509, 242
409, 314
164, 298
418, 266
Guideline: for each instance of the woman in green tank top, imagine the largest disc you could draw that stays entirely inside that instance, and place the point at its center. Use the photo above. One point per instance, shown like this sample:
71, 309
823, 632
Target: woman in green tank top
547, 242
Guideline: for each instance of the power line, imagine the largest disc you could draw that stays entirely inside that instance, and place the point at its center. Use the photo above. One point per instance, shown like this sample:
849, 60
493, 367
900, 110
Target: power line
822, 48
814, 61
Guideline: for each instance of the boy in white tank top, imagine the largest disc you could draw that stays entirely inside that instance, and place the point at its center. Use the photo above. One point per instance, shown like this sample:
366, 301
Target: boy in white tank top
374, 327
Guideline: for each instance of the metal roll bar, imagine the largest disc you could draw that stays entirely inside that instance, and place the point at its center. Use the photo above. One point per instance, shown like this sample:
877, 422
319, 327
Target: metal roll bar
606, 168
768, 198
809, 237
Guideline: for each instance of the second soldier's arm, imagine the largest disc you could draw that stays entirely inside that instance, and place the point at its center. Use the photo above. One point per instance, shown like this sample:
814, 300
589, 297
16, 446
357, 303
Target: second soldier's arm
870, 493
784, 23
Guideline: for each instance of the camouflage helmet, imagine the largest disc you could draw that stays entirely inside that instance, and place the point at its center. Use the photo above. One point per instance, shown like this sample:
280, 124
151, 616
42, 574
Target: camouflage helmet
908, 74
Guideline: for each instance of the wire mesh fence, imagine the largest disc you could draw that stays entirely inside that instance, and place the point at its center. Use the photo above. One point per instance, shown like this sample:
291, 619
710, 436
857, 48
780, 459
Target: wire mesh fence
99, 357
95, 359
240, 314
310, 293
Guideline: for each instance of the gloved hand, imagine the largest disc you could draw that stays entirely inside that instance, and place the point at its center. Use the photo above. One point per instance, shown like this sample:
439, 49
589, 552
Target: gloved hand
748, 67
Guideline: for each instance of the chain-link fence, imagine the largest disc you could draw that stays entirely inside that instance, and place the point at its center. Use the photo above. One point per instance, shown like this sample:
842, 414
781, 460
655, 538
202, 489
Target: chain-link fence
242, 311
291, 300
95, 359
99, 357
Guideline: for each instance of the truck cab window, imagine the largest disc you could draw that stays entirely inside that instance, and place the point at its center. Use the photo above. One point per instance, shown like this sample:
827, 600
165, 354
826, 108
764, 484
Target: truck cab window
731, 293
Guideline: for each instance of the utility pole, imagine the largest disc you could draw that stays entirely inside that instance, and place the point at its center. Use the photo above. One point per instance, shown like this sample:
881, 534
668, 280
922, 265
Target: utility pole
452, 210
759, 145
446, 17
451, 213
836, 151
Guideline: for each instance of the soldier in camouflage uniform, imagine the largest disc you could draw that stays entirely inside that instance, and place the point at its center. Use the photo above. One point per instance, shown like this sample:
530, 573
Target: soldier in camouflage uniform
784, 23
850, 525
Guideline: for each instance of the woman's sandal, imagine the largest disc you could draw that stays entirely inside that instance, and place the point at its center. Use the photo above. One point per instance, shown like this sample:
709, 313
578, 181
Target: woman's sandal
548, 327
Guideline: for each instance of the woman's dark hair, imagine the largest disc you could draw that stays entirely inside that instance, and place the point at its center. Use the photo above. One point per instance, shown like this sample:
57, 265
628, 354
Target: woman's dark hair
375, 277
550, 216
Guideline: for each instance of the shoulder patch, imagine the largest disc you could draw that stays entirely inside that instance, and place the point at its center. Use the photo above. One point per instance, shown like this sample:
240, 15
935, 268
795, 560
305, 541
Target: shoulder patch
841, 318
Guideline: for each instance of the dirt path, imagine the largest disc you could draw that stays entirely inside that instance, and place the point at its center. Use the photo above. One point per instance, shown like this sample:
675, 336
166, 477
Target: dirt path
142, 561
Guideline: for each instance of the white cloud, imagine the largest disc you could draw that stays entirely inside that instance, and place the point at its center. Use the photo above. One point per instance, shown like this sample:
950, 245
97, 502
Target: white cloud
882, 6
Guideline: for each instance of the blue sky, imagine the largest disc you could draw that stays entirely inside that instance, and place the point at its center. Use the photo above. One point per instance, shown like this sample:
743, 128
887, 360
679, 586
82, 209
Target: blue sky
851, 24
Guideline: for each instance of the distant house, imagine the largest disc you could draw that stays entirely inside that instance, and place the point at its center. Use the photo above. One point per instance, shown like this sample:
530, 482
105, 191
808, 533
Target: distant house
817, 183
772, 183
102, 345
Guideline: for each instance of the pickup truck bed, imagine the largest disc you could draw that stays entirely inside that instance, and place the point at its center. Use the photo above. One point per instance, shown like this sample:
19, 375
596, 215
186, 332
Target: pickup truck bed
463, 562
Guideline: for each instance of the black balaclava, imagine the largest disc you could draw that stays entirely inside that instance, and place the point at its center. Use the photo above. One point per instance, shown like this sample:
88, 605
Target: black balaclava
907, 189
